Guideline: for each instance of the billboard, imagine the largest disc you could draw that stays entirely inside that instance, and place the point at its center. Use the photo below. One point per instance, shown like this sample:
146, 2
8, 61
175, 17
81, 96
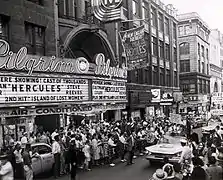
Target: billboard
135, 47
155, 95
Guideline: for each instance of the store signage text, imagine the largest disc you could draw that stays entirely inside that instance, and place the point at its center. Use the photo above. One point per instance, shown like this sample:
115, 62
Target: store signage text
104, 68
75, 108
21, 61
14, 89
108, 90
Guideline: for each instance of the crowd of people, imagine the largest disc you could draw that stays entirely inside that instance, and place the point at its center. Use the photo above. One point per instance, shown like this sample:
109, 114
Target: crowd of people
97, 144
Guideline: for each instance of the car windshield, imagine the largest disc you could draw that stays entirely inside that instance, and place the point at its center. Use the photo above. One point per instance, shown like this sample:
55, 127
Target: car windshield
170, 139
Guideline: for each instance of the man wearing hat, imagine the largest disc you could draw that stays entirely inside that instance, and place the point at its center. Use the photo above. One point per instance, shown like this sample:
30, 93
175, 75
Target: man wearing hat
159, 175
186, 154
6, 170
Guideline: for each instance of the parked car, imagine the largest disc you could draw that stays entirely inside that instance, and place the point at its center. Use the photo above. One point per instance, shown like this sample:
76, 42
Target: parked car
44, 161
169, 147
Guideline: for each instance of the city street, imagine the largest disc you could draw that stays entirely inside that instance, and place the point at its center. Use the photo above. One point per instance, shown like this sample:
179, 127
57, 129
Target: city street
138, 171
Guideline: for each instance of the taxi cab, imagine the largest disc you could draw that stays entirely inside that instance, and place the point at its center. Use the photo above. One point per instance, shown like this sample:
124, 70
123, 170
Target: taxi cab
44, 161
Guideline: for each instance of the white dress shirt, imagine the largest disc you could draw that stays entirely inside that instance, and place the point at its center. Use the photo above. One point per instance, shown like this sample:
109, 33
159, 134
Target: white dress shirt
186, 154
56, 147
6, 172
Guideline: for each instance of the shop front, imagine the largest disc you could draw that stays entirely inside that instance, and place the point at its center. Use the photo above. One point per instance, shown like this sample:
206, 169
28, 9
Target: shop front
50, 92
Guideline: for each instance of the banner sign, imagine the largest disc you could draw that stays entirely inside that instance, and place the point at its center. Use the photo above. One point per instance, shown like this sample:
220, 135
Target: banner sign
75, 108
35, 89
134, 44
108, 10
108, 90
167, 97
176, 118
21, 61
155, 95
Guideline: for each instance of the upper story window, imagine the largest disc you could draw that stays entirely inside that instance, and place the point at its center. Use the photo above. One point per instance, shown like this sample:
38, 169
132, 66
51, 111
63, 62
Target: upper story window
39, 2
154, 46
153, 17
166, 24
68, 9
181, 30
207, 54
144, 11
198, 49
135, 8
161, 49
202, 50
35, 39
161, 28
174, 31
184, 48
187, 29
4, 27
185, 65
167, 52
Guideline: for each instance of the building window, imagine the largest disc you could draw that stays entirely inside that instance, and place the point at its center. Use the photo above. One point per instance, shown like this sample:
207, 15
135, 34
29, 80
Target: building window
184, 48
166, 24
181, 30
202, 51
199, 86
68, 9
160, 17
162, 80
161, 49
198, 49
167, 52
155, 75
35, 39
175, 55
207, 69
4, 28
174, 31
207, 54
144, 11
185, 65
202, 67
135, 8
221, 52
39, 2
175, 79
168, 80
187, 29
154, 46
199, 66
153, 17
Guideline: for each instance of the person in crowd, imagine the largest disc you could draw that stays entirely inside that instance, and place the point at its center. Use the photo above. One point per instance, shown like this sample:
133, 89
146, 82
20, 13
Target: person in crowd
186, 154
24, 139
112, 146
105, 148
87, 154
168, 168
62, 155
198, 173
6, 169
214, 171
95, 150
18, 161
160, 174
72, 159
27, 159
54, 134
123, 144
32, 138
130, 148
56, 150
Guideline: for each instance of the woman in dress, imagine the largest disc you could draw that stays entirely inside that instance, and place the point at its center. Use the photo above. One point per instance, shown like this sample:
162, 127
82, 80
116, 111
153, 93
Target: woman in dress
95, 150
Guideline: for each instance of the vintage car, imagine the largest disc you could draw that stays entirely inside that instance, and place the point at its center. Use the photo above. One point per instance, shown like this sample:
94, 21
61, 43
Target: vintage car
44, 160
170, 147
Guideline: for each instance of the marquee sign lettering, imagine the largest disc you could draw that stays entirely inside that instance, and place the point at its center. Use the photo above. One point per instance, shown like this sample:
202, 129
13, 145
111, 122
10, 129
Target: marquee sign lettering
21, 61
108, 10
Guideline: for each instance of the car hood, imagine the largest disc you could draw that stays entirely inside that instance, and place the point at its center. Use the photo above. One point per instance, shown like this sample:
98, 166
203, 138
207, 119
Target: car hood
165, 148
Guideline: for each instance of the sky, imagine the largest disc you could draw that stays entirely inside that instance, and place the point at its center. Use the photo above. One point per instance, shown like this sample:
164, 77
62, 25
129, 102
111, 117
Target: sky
211, 11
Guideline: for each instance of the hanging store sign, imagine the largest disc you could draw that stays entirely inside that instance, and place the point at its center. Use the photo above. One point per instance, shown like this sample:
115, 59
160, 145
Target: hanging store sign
167, 97
42, 89
108, 90
75, 108
108, 10
135, 47
155, 95
21, 61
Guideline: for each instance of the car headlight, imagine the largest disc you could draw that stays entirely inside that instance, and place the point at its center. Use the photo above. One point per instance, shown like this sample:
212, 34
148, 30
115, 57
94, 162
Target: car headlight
149, 153
178, 154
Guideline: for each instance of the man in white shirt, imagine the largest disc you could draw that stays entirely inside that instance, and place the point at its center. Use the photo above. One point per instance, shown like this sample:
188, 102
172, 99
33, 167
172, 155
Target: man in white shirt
56, 150
123, 144
54, 134
6, 170
186, 154
24, 139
